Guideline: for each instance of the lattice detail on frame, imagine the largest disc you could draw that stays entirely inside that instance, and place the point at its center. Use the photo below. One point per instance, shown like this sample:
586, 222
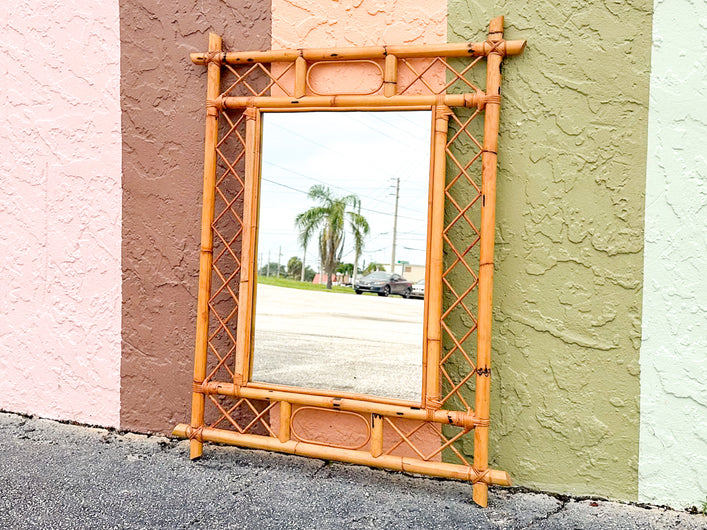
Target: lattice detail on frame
257, 80
425, 77
462, 193
435, 437
244, 416
227, 228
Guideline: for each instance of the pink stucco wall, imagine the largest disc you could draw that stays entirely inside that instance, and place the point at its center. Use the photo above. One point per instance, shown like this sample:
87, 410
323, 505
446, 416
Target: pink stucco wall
60, 209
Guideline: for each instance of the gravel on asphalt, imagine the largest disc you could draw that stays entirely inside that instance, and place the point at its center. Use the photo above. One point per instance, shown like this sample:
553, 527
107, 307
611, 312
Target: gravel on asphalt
57, 475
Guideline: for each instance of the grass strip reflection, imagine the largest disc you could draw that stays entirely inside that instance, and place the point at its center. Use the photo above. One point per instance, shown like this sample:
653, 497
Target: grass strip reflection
305, 286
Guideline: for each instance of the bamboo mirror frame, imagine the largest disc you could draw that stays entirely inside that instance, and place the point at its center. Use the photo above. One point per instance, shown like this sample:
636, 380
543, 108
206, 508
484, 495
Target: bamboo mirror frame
455, 402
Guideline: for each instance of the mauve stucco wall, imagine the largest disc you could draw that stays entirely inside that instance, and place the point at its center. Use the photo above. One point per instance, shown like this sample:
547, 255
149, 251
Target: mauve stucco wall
673, 447
569, 242
60, 156
163, 103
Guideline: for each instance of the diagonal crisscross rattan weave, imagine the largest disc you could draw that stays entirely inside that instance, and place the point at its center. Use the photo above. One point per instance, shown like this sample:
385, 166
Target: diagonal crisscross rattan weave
447, 433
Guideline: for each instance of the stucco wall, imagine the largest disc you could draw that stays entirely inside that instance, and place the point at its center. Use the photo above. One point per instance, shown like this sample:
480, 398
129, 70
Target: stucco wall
673, 448
163, 103
310, 23
60, 210
567, 304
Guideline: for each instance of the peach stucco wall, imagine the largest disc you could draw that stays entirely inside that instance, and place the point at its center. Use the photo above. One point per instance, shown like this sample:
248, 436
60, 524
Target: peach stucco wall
60, 209
345, 23
313, 24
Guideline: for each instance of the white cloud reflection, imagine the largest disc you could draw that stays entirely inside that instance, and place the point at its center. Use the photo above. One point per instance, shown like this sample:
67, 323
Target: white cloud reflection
350, 152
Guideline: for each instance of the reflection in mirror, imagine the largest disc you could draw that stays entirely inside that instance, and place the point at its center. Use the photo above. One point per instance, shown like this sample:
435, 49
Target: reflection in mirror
341, 251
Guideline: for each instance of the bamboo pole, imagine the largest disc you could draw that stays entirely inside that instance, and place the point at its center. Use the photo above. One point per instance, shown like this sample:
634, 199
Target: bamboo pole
334, 394
346, 109
396, 463
426, 310
247, 284
433, 290
300, 77
462, 49
390, 78
285, 419
207, 244
488, 220
267, 102
376, 435
467, 420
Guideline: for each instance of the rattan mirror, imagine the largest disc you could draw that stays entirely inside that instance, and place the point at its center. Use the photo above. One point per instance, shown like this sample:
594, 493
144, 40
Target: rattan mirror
237, 397
343, 211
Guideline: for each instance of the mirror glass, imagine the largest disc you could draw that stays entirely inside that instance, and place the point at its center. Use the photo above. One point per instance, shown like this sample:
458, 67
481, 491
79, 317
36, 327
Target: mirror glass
342, 251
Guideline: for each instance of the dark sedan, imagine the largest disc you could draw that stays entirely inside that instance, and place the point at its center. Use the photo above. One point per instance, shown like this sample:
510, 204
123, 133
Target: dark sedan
384, 284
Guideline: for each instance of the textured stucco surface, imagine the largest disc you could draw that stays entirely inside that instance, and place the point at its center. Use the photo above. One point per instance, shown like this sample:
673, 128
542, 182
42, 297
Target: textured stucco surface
310, 23
673, 446
567, 300
60, 210
162, 99
313, 24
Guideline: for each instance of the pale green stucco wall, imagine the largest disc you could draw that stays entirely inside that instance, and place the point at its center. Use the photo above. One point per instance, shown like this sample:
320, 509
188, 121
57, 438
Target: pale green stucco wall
567, 307
673, 447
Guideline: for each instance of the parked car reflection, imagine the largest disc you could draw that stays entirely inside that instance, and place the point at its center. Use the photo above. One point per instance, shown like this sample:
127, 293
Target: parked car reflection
384, 284
418, 289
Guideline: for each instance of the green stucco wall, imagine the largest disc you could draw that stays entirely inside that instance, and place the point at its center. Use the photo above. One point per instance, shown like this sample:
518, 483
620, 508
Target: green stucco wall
569, 242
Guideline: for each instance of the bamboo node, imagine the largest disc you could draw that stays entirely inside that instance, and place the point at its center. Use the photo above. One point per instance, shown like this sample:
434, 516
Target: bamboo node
250, 113
209, 387
433, 403
484, 372
481, 476
196, 433
214, 57
498, 47
475, 100
469, 420
197, 387
492, 99
444, 110
489, 151
216, 103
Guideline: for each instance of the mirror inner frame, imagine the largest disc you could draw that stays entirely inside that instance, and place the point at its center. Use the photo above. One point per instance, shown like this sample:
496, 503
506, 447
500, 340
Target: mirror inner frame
248, 298
432, 311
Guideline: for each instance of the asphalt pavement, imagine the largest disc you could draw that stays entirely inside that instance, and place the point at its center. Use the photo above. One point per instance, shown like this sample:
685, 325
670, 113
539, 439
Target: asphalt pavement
337, 341
56, 475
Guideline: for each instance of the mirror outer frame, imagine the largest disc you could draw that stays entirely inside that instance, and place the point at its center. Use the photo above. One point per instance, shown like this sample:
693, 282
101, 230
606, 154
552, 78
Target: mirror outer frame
382, 412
